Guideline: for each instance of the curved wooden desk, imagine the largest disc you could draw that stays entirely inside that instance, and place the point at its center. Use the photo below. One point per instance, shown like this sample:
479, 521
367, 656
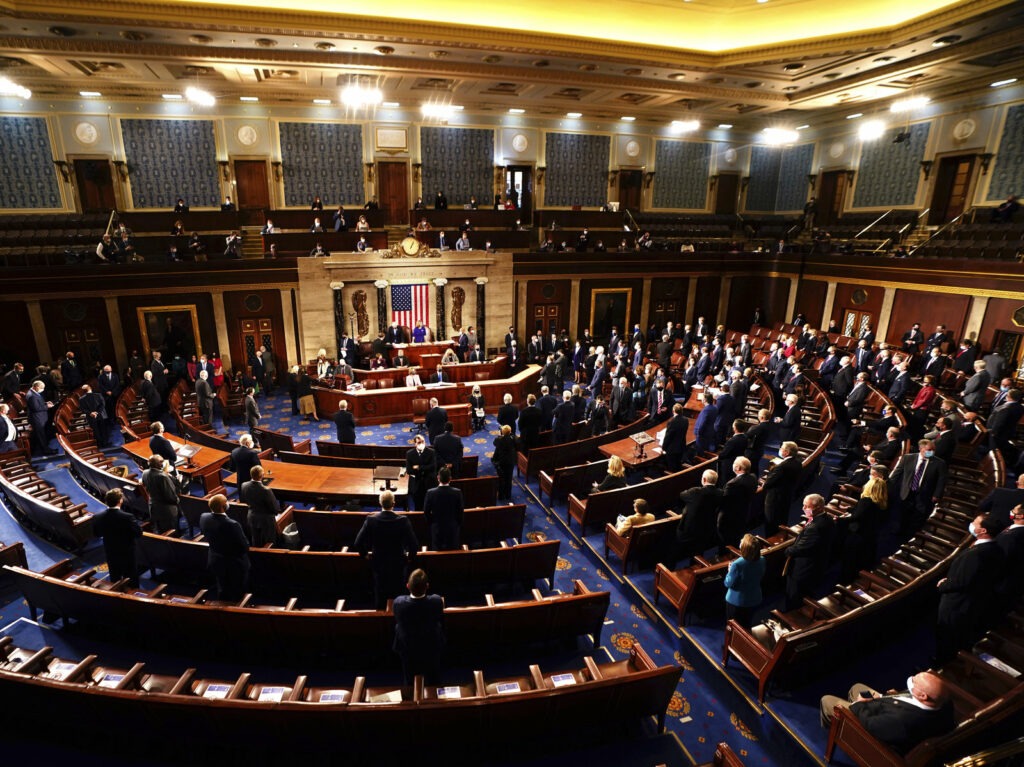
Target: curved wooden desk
326, 484
374, 406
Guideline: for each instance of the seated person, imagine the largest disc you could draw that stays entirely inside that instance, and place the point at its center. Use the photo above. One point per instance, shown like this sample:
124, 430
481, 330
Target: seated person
316, 227
423, 225
227, 205
178, 230
640, 516
371, 204
413, 379
319, 252
172, 253
268, 228
181, 206
340, 224
362, 225
463, 243
614, 479
378, 362
400, 361
363, 246
196, 247
449, 357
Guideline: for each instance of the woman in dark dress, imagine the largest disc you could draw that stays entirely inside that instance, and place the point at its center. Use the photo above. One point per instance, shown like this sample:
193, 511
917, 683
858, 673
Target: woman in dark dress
864, 524
615, 478
504, 461
476, 409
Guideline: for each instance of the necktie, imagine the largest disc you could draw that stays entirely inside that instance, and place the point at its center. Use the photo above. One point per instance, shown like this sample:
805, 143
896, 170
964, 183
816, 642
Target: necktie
915, 483
659, 399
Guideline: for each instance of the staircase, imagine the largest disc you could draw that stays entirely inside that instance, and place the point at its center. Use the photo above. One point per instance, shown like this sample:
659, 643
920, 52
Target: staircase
252, 242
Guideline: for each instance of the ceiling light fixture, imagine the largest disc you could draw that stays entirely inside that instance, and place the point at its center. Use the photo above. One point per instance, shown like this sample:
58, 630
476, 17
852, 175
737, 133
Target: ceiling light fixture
89, 94
574, 115
248, 98
1001, 83
854, 116
10, 88
725, 126
516, 111
390, 104
357, 96
908, 104
172, 97
778, 136
802, 127
322, 102
440, 111
871, 130
199, 96
627, 118
685, 126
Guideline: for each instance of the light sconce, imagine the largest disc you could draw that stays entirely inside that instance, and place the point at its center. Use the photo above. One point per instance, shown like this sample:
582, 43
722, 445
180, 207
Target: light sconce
926, 166
277, 165
986, 160
369, 172
122, 168
65, 170
648, 179
224, 170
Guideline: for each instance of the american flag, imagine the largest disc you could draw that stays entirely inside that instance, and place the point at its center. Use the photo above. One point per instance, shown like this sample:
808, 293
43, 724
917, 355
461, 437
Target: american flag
409, 304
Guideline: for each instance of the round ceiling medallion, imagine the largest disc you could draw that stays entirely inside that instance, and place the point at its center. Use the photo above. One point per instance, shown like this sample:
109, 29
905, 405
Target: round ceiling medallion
730, 155
247, 135
633, 149
520, 142
253, 302
836, 150
859, 297
964, 129
86, 133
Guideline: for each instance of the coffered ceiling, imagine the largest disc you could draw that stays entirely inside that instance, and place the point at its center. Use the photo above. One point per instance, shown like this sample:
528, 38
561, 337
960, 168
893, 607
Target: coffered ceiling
735, 61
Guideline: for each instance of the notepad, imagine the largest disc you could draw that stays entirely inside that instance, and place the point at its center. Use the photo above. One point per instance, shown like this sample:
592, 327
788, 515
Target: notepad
996, 663
507, 687
60, 671
332, 697
274, 694
217, 691
394, 696
111, 680
444, 693
563, 680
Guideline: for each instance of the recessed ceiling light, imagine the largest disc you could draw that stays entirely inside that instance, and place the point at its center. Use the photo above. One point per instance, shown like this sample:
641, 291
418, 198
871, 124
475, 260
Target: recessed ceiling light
574, 115
1001, 83
854, 116
516, 111
627, 118
89, 93
725, 126
173, 96
685, 126
871, 130
11, 88
908, 104
200, 97
248, 98
322, 102
947, 40
777, 136
802, 127
390, 104
357, 96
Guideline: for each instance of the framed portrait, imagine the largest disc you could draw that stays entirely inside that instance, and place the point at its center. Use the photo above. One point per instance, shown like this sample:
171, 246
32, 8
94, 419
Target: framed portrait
609, 307
171, 330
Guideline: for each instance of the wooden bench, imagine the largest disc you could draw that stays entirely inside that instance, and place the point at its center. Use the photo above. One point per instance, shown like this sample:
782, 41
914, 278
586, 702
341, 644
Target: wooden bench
279, 442
644, 544
39, 503
576, 480
573, 452
367, 457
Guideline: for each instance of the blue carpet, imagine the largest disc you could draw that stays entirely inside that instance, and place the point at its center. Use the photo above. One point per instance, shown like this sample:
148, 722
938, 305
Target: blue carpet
705, 709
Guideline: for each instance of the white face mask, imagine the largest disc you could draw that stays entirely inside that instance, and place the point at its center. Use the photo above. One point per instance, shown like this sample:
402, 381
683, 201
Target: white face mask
910, 685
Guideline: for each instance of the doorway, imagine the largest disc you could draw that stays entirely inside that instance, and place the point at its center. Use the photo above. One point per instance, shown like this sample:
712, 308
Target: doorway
393, 190
631, 189
727, 192
519, 187
95, 185
547, 319
952, 184
1010, 345
831, 197
254, 333
855, 321
252, 188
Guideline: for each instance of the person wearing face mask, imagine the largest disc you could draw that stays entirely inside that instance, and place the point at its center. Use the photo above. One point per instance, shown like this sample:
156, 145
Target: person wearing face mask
660, 403
967, 591
808, 556
900, 720
421, 467
920, 480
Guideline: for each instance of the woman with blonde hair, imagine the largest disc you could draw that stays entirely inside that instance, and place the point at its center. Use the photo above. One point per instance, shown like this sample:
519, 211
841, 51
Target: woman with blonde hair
743, 582
864, 522
477, 408
449, 357
615, 478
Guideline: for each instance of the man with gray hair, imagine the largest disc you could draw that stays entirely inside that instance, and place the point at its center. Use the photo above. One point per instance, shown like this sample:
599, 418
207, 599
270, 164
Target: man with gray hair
808, 555
243, 458
696, 529
163, 488
204, 397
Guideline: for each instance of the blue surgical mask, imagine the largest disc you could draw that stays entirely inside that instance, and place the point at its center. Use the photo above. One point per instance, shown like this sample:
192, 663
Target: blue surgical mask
929, 453
1004, 388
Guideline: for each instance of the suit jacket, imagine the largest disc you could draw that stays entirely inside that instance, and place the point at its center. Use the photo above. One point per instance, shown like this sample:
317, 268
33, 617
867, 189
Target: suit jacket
419, 626
530, 420
898, 389
443, 509
809, 553
945, 445
936, 366
109, 385
37, 410
547, 405
148, 392
973, 395
422, 469
118, 529
856, 398
667, 401
726, 405
162, 489
696, 528
735, 508
740, 391
1002, 423
933, 481
1000, 502
704, 430
1011, 543
156, 367
448, 449
160, 445
789, 429
389, 538
508, 415
757, 437
259, 498
242, 460
780, 487
674, 441
252, 412
842, 383
395, 335
828, 370
346, 426
561, 421
901, 725
734, 447
436, 418
204, 394
504, 453
966, 592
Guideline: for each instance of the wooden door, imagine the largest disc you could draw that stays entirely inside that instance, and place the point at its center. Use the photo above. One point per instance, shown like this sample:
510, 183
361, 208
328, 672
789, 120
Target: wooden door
519, 188
252, 187
254, 333
665, 310
952, 184
631, 185
393, 190
854, 321
95, 186
727, 192
547, 319
831, 197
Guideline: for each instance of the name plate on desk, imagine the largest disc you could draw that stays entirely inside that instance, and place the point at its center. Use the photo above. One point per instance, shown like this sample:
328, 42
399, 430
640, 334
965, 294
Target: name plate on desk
332, 697
217, 691
448, 693
563, 680
274, 694
508, 687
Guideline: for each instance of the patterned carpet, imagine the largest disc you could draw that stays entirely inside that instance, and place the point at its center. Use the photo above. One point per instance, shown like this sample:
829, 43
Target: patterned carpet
705, 709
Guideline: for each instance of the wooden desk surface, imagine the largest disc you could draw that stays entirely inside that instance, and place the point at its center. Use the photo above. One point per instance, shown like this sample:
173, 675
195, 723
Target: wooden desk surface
206, 460
293, 481
626, 448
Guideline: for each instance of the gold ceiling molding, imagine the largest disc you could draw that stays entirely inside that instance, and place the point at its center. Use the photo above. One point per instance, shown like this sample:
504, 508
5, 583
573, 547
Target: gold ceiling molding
948, 290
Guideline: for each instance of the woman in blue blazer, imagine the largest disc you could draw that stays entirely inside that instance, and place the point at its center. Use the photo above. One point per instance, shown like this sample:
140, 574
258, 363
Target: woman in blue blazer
743, 582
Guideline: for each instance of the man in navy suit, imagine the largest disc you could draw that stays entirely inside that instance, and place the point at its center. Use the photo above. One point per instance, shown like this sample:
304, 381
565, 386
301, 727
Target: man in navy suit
345, 424
421, 467
1002, 423
899, 386
789, 424
660, 402
673, 444
419, 630
228, 557
704, 430
435, 419
449, 449
119, 531
562, 418
734, 447
443, 508
160, 445
38, 414
726, 405
388, 539
109, 385
920, 480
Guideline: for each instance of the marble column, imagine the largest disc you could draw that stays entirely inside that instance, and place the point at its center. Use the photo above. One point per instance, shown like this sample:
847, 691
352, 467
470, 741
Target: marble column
291, 342
35, 316
220, 317
339, 314
882, 324
117, 332
382, 305
830, 302
481, 312
441, 330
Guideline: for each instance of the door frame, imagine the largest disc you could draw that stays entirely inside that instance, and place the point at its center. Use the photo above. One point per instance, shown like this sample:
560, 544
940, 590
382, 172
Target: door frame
846, 187
115, 180
618, 183
407, 162
972, 183
271, 186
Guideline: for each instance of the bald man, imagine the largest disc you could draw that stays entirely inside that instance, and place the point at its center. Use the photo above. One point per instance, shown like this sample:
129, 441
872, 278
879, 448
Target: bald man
899, 719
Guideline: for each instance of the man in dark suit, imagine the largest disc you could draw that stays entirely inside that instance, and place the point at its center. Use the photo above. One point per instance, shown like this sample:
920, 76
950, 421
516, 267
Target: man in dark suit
530, 420
1002, 424
1011, 543
108, 383
757, 438
945, 440
901, 383
660, 402
443, 508
244, 457
900, 720
388, 539
857, 397
1000, 503
508, 413
419, 630
228, 557
119, 531
734, 447
263, 508
967, 591
963, 359
435, 419
673, 444
345, 424
510, 336
395, 334
937, 362
621, 402
913, 339
38, 415
726, 415
547, 404
973, 395
780, 487
12, 380
8, 430
696, 529
93, 406
862, 356
204, 397
664, 352
789, 423
562, 419
704, 435
162, 487
160, 445
440, 376
734, 510
149, 394
515, 359
920, 480
252, 410
421, 467
448, 448
535, 351
156, 367
70, 372
808, 555
842, 382
829, 368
